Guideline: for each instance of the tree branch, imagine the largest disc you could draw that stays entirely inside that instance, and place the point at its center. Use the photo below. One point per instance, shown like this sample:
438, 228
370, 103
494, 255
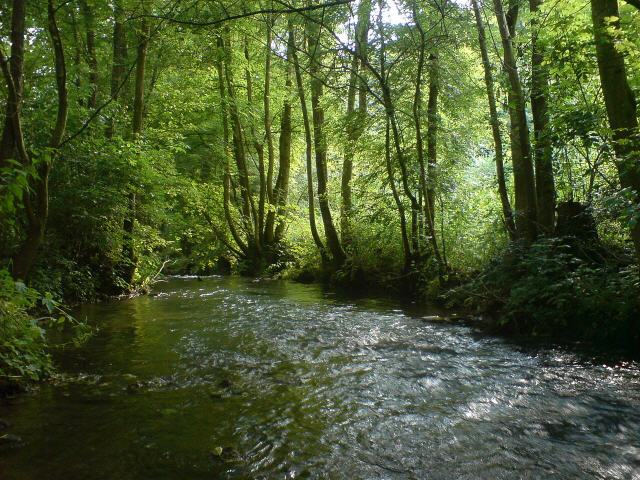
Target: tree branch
263, 11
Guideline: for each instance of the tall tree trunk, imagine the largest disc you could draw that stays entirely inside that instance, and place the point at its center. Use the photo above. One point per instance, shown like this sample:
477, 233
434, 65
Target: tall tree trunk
308, 151
545, 187
410, 248
524, 182
354, 119
128, 248
119, 59
249, 214
92, 60
225, 129
432, 155
16, 68
426, 169
284, 150
141, 65
269, 222
37, 202
259, 148
495, 126
77, 54
406, 247
320, 144
619, 101
387, 101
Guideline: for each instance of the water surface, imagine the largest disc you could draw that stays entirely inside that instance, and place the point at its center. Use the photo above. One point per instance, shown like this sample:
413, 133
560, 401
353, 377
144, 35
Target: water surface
233, 378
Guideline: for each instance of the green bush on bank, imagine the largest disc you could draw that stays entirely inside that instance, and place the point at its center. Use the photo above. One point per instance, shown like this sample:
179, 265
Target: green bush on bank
25, 317
559, 288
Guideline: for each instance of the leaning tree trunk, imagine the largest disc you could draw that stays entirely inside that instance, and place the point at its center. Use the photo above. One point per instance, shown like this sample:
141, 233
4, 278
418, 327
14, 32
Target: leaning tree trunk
524, 182
408, 248
545, 187
495, 125
268, 231
619, 101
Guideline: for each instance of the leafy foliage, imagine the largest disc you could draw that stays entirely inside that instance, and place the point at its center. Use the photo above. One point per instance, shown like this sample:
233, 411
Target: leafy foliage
24, 351
561, 288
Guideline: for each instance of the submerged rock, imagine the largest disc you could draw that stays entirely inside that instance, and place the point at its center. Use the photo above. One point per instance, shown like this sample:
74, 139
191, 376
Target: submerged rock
436, 318
10, 439
225, 455
4, 424
224, 383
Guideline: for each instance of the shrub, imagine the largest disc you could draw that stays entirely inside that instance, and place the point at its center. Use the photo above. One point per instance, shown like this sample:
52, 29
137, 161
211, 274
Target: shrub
554, 289
24, 351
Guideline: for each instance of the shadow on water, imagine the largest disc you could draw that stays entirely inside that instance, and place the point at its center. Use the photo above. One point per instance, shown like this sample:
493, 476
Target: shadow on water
234, 378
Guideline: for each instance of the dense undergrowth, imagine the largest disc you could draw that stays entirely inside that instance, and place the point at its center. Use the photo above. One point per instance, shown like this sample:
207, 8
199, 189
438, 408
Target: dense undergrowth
559, 288
26, 318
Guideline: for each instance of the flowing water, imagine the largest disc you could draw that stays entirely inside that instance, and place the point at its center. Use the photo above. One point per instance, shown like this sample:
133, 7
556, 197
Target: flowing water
233, 378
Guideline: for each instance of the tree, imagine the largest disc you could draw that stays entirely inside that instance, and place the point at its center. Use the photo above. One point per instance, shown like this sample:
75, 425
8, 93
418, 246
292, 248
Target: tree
36, 201
320, 143
495, 125
620, 103
354, 117
545, 188
524, 182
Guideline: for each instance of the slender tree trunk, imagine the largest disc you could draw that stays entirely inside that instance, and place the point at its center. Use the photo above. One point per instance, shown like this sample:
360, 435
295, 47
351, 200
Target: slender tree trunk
320, 144
432, 136
249, 214
37, 203
524, 182
269, 222
259, 148
77, 54
392, 132
308, 151
620, 102
16, 68
426, 172
495, 126
284, 149
119, 59
227, 154
545, 186
128, 226
92, 60
354, 119
432, 155
406, 247
387, 101
141, 64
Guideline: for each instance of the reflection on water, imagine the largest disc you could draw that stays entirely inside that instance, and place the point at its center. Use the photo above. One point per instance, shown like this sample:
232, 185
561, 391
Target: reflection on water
232, 378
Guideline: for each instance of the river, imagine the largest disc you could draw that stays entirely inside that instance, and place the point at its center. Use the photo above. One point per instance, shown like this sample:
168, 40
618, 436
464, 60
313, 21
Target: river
234, 378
